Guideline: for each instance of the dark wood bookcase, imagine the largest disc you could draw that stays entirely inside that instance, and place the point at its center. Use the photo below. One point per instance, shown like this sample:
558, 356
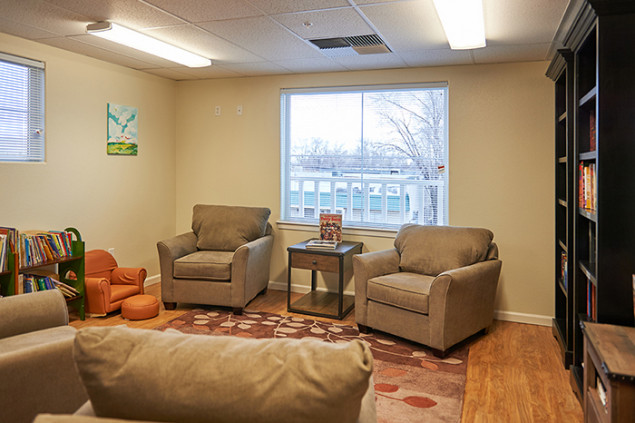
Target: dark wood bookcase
595, 174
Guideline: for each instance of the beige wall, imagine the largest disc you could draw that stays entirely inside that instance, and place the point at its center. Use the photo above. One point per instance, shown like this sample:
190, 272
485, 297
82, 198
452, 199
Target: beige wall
114, 201
500, 169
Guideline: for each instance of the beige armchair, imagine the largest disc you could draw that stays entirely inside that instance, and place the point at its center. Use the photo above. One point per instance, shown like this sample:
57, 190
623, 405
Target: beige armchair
436, 287
224, 260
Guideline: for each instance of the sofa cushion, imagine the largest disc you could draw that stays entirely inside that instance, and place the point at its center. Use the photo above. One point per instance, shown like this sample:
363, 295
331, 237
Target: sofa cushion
226, 228
409, 291
206, 265
169, 376
431, 250
67, 418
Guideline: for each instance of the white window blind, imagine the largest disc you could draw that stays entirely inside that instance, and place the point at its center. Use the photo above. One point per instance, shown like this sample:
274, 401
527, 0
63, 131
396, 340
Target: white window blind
376, 155
21, 109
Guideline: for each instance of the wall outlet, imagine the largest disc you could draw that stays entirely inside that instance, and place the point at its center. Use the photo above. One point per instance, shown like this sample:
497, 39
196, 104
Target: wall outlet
112, 251
239, 109
217, 110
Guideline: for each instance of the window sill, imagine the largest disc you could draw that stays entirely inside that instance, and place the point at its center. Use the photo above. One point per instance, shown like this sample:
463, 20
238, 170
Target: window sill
346, 230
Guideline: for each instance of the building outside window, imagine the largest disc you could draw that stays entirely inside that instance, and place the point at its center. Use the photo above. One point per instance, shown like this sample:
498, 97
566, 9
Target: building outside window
376, 155
21, 109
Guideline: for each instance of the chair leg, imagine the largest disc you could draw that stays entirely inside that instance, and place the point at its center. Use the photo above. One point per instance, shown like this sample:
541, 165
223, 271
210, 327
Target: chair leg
238, 311
264, 291
364, 329
169, 305
439, 353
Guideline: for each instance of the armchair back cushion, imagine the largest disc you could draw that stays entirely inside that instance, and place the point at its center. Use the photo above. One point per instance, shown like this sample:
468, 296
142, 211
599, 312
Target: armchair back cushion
432, 250
226, 228
142, 374
99, 264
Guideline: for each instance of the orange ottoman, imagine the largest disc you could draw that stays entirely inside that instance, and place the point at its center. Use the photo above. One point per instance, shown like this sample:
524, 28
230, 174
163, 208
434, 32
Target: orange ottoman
139, 307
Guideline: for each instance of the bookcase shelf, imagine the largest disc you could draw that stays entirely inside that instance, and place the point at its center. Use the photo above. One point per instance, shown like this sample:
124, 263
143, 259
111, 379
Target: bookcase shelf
595, 90
71, 270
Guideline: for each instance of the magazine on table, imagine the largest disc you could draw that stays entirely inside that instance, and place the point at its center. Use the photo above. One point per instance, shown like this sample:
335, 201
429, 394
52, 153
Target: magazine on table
322, 244
330, 227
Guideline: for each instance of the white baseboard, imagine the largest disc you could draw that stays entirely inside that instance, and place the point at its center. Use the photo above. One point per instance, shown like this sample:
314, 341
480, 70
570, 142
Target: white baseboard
151, 280
532, 319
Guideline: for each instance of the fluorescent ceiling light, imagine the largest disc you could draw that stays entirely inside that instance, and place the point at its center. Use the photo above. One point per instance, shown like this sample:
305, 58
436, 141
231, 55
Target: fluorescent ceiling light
463, 22
138, 41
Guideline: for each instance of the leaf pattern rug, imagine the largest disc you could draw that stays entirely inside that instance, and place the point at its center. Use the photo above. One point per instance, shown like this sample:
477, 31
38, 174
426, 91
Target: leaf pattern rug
411, 384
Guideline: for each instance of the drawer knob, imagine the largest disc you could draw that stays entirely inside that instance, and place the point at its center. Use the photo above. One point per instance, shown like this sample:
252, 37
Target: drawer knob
314, 262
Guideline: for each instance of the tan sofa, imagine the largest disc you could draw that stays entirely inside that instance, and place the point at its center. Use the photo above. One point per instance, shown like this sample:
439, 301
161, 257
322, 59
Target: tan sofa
37, 370
224, 261
146, 375
436, 287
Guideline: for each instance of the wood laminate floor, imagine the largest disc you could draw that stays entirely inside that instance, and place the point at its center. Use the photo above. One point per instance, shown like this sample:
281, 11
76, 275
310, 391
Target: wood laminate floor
514, 372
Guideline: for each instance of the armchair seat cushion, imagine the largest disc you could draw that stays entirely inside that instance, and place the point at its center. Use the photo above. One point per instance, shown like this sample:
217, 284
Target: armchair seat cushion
409, 291
121, 292
206, 265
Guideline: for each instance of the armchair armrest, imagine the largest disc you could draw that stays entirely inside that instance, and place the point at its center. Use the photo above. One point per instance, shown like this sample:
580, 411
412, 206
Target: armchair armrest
30, 312
250, 268
170, 250
129, 276
367, 266
97, 295
462, 302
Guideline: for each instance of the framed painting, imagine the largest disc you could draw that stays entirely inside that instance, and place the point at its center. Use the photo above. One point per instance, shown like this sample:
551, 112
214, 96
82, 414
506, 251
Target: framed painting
122, 130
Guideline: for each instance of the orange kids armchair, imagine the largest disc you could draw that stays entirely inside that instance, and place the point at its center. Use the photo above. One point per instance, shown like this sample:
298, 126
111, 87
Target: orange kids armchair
107, 284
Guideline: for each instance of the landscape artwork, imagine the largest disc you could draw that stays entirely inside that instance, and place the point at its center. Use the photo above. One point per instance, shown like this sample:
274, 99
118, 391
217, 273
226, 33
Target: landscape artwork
122, 130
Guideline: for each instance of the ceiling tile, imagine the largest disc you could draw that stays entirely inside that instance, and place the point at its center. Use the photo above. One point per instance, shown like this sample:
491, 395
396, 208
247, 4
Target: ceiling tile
407, 25
45, 16
311, 65
258, 68
265, 38
371, 61
207, 10
131, 13
23, 30
200, 41
518, 53
214, 71
272, 7
522, 22
170, 74
95, 52
342, 22
440, 57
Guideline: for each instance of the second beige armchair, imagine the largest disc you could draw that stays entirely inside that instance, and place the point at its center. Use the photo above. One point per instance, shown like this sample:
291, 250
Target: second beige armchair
224, 260
436, 287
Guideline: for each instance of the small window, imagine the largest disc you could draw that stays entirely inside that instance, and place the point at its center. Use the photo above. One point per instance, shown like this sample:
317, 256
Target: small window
21, 109
377, 155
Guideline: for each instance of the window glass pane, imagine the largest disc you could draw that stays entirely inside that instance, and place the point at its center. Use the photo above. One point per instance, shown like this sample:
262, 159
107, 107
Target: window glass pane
378, 157
21, 109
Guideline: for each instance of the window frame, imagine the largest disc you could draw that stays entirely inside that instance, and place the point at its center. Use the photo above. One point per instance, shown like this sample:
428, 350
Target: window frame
354, 227
32, 140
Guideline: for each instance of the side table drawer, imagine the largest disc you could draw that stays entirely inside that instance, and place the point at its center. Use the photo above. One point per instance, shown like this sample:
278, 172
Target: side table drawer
315, 262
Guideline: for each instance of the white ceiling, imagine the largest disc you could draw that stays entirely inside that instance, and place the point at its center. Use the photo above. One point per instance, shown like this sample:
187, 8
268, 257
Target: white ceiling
260, 37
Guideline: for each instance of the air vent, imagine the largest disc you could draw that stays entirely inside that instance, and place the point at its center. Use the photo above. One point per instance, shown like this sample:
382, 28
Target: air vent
358, 44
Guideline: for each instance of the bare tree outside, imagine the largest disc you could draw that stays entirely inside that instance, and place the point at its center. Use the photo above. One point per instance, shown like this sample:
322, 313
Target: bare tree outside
377, 156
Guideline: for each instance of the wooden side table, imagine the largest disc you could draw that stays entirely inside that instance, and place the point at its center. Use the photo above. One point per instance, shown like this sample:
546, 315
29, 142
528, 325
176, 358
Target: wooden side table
609, 373
320, 303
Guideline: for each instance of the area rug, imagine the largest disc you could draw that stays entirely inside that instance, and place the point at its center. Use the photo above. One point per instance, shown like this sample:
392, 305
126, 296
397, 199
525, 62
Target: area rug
411, 384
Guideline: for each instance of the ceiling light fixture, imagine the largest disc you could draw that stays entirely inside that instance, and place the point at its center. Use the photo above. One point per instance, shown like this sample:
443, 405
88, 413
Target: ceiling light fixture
128, 37
462, 22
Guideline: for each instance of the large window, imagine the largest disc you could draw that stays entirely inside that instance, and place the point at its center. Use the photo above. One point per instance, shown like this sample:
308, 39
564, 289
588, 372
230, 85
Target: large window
377, 155
21, 109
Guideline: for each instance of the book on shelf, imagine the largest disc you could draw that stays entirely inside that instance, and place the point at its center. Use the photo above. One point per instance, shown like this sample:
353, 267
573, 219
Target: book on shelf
564, 269
592, 135
330, 227
37, 247
28, 283
587, 195
322, 244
